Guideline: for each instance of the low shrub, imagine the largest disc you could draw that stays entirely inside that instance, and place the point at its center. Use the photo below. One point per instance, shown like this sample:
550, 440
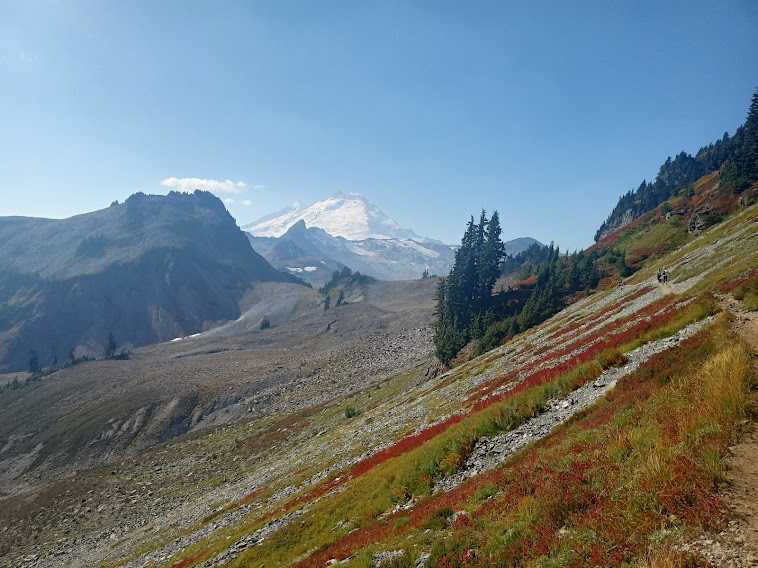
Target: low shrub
439, 519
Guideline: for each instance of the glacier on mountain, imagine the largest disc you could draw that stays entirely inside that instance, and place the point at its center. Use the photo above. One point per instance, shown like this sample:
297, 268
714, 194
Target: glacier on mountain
344, 214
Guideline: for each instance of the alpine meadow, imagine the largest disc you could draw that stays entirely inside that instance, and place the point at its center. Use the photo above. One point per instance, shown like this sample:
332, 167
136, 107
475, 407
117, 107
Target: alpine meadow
411, 306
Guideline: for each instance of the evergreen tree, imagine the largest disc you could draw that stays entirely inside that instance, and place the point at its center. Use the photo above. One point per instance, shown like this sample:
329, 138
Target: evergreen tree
735, 158
110, 348
748, 156
33, 362
492, 255
465, 307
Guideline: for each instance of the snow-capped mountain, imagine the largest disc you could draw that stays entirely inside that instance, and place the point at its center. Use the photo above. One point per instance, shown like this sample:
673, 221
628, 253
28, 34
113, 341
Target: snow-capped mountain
344, 214
348, 230
313, 254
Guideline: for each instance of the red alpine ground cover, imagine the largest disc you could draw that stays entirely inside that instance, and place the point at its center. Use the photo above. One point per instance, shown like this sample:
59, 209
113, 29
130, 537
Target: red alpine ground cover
616, 306
540, 377
576, 489
730, 285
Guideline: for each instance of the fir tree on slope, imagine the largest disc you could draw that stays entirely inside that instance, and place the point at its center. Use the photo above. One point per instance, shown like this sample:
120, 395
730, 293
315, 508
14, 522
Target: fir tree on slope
464, 298
747, 157
467, 307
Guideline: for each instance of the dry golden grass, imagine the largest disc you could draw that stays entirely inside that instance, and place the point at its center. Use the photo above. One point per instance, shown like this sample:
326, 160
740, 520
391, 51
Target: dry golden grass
726, 377
670, 558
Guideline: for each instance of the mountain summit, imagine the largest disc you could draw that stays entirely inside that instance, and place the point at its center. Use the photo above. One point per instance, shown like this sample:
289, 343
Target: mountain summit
344, 214
150, 269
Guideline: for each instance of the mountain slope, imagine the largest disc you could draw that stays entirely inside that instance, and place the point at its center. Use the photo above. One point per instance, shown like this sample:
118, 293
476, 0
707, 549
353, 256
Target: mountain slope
347, 230
634, 395
734, 158
312, 253
150, 269
344, 214
520, 244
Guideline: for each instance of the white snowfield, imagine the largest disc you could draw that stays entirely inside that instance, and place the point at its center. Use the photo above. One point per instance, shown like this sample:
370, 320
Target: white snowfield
344, 214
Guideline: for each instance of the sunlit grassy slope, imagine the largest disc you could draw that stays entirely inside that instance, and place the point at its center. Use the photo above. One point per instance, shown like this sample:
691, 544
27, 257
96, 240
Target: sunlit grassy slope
620, 482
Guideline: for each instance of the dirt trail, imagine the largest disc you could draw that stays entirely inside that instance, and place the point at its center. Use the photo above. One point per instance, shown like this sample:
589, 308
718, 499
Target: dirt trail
738, 544
742, 496
674, 287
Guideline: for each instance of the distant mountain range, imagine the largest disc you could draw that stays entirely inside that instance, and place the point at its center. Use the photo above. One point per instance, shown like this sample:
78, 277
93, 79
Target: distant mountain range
313, 254
348, 230
150, 269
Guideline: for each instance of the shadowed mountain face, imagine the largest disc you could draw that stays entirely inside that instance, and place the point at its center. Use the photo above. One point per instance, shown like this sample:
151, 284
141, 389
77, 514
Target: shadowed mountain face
520, 244
150, 269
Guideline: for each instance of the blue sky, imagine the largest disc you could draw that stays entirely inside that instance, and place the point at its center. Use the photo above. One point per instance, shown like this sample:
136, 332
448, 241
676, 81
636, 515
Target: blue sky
545, 111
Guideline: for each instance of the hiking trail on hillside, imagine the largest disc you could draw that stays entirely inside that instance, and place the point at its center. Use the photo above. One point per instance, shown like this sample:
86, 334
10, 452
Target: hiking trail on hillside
737, 545
742, 495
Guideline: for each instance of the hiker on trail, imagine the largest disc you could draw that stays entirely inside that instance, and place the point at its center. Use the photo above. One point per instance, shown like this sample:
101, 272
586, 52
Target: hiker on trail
665, 276
660, 276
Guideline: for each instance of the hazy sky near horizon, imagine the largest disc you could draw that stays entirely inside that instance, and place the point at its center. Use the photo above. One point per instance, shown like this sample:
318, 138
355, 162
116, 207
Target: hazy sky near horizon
544, 110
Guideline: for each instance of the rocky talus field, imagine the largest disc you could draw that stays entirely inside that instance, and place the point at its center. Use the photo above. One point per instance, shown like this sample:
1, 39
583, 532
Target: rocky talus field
617, 433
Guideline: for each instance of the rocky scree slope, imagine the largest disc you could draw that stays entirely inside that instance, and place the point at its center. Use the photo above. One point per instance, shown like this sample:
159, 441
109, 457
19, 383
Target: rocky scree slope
101, 411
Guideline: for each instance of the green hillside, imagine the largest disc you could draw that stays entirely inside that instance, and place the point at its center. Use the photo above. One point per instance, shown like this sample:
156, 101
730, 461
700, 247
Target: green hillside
734, 159
581, 413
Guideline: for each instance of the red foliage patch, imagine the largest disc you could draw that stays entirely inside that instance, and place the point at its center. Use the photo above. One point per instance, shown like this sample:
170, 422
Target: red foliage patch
535, 379
581, 493
547, 374
615, 307
528, 282
250, 496
189, 560
345, 546
400, 447
608, 328
489, 386
730, 285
